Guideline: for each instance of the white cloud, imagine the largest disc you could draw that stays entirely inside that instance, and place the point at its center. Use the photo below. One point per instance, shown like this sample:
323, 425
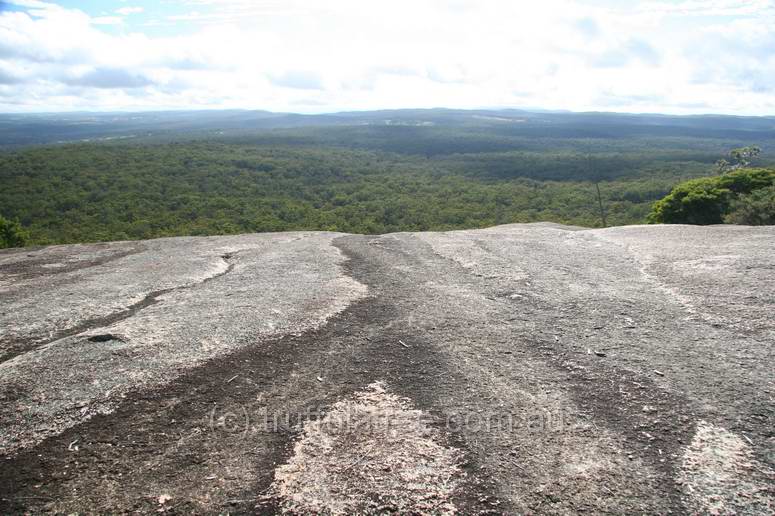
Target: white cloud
298, 79
107, 20
110, 78
126, 11
710, 7
349, 54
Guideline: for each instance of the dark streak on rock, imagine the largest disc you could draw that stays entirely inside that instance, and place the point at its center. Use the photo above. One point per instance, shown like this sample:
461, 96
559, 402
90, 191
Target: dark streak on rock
140, 432
105, 337
33, 268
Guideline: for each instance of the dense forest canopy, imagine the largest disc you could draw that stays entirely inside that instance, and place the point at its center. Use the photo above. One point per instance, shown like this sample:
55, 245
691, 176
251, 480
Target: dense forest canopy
356, 173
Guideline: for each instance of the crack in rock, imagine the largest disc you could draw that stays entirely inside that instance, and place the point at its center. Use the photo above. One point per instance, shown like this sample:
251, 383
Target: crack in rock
100, 322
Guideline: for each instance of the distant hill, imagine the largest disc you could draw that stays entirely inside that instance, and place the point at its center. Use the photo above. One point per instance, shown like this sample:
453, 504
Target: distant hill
29, 129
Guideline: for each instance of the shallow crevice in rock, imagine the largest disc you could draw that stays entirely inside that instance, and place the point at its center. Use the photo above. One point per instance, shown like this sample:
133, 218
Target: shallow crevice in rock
105, 337
21, 347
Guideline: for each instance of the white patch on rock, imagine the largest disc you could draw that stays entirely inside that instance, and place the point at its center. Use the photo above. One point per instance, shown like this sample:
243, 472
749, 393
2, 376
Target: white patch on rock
720, 475
369, 454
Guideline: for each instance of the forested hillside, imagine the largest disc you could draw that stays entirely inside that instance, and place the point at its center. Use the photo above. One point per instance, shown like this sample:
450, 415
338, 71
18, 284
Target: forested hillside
399, 174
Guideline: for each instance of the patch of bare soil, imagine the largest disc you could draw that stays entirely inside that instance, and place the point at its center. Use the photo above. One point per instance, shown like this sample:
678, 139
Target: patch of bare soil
720, 474
371, 454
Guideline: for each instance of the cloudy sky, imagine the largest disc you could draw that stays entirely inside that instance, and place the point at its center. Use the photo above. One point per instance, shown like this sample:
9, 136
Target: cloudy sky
671, 56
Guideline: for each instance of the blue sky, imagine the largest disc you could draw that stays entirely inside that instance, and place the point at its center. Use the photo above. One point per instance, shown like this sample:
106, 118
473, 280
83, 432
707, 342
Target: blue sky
678, 56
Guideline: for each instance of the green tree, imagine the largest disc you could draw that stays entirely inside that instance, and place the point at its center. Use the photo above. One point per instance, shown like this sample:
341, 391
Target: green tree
11, 233
699, 201
754, 209
707, 200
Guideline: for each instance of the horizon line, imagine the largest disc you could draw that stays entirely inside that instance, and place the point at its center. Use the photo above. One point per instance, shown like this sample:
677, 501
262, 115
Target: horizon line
535, 110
